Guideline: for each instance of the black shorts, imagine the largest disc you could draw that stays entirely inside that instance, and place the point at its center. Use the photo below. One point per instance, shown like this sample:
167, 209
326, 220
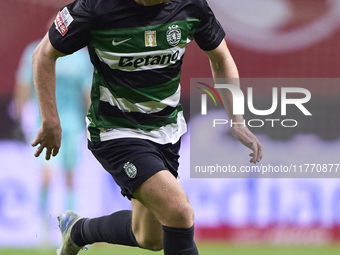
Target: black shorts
131, 161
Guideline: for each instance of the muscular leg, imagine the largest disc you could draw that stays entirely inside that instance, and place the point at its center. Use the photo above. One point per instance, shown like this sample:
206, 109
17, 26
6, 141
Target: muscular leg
46, 179
146, 227
163, 199
70, 189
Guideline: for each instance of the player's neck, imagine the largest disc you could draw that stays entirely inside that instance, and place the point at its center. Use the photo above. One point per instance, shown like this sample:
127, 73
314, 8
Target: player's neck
150, 2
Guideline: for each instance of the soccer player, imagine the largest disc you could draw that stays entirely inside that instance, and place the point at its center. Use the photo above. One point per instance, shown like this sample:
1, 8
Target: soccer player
135, 120
74, 84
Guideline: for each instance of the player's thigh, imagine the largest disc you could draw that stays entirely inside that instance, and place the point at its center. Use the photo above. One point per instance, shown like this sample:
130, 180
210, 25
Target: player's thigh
146, 227
163, 195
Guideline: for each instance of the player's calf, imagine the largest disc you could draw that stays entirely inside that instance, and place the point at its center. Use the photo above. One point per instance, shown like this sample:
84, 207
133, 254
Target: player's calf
155, 244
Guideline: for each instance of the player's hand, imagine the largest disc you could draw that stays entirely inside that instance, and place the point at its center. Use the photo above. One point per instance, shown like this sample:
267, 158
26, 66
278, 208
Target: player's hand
49, 137
247, 138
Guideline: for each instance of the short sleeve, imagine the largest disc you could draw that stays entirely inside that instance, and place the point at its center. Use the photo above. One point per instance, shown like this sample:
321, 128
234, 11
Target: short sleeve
71, 29
209, 33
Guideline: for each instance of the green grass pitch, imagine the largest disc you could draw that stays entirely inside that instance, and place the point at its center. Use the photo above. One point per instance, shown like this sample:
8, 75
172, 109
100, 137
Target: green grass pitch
204, 249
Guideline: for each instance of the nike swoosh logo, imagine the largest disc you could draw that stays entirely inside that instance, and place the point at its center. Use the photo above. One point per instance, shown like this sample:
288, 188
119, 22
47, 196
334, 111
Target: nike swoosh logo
117, 43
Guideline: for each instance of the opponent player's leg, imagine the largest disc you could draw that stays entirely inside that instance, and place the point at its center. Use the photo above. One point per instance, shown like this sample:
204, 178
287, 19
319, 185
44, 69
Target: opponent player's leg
46, 179
69, 157
165, 198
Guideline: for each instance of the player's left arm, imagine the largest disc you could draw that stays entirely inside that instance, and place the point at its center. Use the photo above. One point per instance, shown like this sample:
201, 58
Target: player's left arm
224, 69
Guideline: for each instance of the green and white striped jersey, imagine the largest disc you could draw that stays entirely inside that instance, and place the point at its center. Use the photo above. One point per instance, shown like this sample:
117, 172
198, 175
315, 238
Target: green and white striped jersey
137, 53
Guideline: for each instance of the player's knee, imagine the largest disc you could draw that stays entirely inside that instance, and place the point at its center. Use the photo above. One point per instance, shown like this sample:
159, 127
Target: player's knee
154, 244
182, 216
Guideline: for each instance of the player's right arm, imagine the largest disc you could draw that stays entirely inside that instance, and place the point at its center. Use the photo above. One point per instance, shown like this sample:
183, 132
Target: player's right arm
44, 76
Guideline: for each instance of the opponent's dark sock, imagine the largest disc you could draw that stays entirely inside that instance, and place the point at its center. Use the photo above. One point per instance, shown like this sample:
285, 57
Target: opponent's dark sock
179, 241
115, 229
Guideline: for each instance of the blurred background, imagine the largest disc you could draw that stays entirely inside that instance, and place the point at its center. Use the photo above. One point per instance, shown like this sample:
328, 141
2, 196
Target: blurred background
268, 39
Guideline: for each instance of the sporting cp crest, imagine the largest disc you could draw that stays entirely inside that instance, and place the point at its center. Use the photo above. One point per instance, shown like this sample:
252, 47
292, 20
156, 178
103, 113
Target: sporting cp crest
174, 35
130, 169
